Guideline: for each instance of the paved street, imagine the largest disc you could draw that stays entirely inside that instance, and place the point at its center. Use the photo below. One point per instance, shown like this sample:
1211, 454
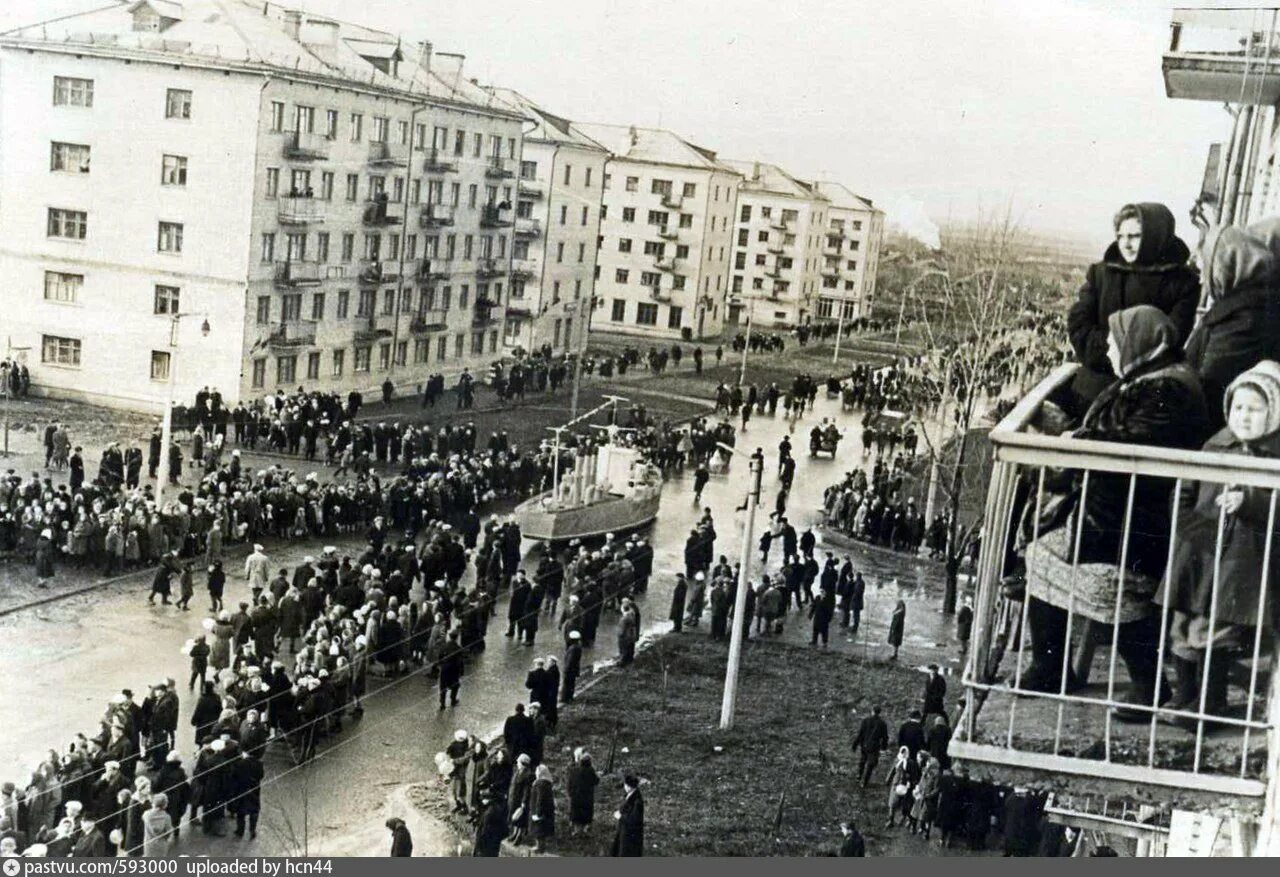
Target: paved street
62, 661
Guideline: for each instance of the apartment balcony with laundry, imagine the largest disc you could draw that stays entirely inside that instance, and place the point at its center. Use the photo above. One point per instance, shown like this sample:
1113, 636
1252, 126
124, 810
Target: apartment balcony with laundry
385, 155
1224, 55
306, 146
1085, 659
300, 210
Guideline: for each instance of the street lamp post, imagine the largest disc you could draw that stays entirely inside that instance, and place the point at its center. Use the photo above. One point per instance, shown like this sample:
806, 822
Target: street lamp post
742, 375
835, 356
740, 598
166, 427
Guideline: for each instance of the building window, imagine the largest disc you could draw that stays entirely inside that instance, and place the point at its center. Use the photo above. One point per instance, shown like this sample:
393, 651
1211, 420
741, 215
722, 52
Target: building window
568, 173
745, 216
686, 220
658, 217
646, 314
322, 246
364, 358
69, 157
277, 116
675, 315
60, 351
619, 312
62, 287
313, 366
633, 184
166, 300
259, 373
273, 182
263, 315
628, 214
353, 186
304, 119
344, 303
71, 224
624, 245
402, 352
286, 370
339, 360
690, 190
159, 365
477, 145
650, 278
621, 275
348, 246
379, 134
317, 306
660, 187
677, 281
364, 307
331, 132
300, 183
173, 170
654, 248
585, 213
177, 104
528, 170
384, 356
68, 91
169, 237
682, 251
357, 127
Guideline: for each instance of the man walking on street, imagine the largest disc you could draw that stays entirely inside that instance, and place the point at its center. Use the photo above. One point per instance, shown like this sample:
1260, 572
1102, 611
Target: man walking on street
872, 738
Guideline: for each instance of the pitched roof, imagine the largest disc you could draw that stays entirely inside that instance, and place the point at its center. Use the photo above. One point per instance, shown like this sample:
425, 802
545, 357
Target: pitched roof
841, 196
652, 144
247, 34
759, 176
549, 126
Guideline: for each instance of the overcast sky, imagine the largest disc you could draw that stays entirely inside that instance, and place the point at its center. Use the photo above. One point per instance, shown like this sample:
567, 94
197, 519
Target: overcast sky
1057, 106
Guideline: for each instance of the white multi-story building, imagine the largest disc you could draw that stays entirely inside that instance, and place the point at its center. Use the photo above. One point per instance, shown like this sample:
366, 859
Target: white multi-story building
336, 209
557, 229
850, 254
778, 248
666, 237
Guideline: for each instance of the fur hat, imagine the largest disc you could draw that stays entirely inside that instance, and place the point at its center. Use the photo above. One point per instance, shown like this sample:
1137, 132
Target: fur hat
1265, 379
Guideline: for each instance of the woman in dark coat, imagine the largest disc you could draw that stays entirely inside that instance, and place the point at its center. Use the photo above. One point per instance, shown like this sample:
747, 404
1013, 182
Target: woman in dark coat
44, 557
1241, 324
246, 792
492, 828
519, 802
1157, 401
542, 807
629, 838
581, 785
208, 708
897, 626
401, 840
1146, 264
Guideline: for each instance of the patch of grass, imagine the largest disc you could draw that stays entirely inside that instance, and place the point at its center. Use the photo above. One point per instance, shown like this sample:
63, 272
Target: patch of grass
789, 751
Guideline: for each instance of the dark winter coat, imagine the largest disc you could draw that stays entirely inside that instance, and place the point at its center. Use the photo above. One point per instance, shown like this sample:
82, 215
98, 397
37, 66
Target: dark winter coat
628, 840
581, 784
1161, 276
492, 829
1244, 542
542, 809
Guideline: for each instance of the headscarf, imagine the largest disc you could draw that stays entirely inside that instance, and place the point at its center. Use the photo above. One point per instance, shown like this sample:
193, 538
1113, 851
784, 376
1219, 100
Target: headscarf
1144, 334
1232, 257
1158, 227
904, 756
1265, 379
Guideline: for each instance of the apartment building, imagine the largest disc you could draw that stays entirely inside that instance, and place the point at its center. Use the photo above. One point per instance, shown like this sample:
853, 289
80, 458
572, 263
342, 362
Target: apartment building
850, 254
666, 234
337, 209
557, 229
777, 247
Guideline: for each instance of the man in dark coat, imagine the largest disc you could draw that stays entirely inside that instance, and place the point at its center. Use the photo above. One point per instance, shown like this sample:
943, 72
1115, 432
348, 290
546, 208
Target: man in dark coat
911, 734
628, 840
572, 666
451, 668
1146, 264
853, 845
871, 739
935, 693
492, 827
518, 733
401, 840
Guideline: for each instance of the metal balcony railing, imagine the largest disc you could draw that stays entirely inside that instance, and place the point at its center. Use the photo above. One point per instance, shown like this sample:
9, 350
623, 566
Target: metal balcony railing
436, 215
1012, 720
665, 263
774, 247
292, 333
672, 201
494, 216
529, 188
383, 155
483, 315
304, 146
489, 268
527, 226
777, 222
296, 273
830, 270
437, 161
436, 268
1224, 55
377, 272
524, 268
380, 213
667, 233
498, 168
301, 211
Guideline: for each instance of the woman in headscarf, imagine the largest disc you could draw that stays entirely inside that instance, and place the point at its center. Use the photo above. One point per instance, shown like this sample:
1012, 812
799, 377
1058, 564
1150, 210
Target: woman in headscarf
542, 808
925, 809
1146, 264
902, 778
1157, 400
897, 626
1241, 322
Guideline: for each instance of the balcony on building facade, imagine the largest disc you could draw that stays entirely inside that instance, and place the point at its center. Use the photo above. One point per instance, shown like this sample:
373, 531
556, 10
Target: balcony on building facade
831, 270
300, 210
436, 215
490, 267
529, 188
382, 212
367, 331
436, 268
1224, 55
833, 242
1064, 722
668, 233
376, 272
495, 216
658, 292
498, 168
483, 315
527, 226
519, 307
306, 146
666, 263
298, 273
291, 334
672, 201
773, 271
777, 222
774, 247
524, 269
437, 161
429, 320
383, 155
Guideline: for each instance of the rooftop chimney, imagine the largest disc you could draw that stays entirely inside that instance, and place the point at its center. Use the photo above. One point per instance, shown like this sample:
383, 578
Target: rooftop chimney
635, 136
424, 55
755, 171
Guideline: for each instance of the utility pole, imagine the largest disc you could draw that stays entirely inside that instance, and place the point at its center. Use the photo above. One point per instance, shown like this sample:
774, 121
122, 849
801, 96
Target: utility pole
835, 357
584, 329
740, 597
742, 375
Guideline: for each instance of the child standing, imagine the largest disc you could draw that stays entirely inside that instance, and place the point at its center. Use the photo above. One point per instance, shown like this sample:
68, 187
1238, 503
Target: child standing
1252, 405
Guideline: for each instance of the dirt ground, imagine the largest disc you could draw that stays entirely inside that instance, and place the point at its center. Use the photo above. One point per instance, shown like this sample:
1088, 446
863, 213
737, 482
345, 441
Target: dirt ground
778, 784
